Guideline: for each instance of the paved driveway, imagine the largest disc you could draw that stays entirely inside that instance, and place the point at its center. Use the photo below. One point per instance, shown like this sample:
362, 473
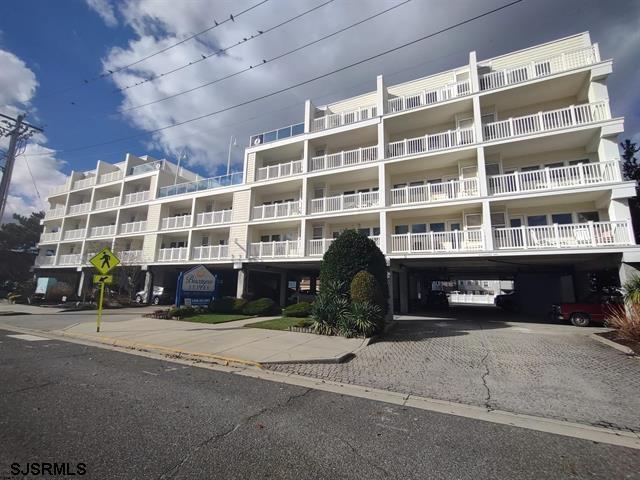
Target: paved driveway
481, 358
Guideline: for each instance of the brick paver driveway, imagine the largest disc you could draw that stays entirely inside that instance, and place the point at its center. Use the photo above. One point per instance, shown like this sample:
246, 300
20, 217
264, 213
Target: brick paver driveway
547, 370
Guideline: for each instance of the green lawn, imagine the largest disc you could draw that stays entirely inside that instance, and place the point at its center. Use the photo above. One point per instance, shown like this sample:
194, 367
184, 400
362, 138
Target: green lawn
214, 318
282, 323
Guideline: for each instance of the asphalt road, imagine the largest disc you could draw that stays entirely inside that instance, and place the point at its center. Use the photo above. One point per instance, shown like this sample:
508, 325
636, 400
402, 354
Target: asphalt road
128, 416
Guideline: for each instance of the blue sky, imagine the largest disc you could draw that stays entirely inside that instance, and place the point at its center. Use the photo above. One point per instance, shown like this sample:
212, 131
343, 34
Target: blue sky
51, 46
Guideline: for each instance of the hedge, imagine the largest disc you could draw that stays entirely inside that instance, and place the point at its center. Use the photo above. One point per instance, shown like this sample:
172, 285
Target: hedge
365, 289
300, 310
261, 307
227, 305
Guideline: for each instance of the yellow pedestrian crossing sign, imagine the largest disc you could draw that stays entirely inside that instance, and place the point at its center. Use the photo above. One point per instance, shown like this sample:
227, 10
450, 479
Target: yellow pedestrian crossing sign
107, 279
105, 260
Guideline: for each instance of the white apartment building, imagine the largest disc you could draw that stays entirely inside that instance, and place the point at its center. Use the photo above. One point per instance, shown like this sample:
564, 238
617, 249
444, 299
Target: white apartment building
507, 166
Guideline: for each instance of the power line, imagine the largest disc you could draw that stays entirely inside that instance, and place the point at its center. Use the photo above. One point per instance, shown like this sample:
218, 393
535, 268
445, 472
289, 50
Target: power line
262, 97
264, 62
222, 50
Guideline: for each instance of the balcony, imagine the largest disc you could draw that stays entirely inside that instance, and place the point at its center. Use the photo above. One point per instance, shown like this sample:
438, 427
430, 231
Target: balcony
77, 234
180, 221
431, 143
59, 189
50, 237
279, 170
435, 192
572, 116
345, 158
45, 261
210, 252
279, 134
136, 197
130, 256
84, 183
341, 203
213, 218
107, 203
133, 227
581, 175
173, 254
539, 68
55, 213
285, 248
435, 242
199, 185
102, 231
74, 259
429, 97
80, 208
276, 210
577, 235
111, 176
334, 120
146, 167
318, 247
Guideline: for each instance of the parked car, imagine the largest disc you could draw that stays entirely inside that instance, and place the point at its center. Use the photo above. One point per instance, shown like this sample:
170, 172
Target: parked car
160, 296
508, 301
594, 308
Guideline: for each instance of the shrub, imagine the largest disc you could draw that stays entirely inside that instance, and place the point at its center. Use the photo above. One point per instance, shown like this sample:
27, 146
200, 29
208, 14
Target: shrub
302, 309
182, 312
350, 253
304, 323
365, 288
330, 308
626, 321
227, 305
366, 318
631, 290
260, 307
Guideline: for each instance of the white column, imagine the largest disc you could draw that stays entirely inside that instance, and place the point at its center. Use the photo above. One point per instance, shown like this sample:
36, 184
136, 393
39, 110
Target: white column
304, 196
486, 225
243, 277
390, 286
305, 156
81, 283
473, 72
482, 172
477, 119
382, 184
303, 238
381, 95
383, 232
382, 140
308, 115
148, 286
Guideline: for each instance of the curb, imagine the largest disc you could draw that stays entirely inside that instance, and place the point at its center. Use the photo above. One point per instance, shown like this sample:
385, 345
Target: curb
610, 343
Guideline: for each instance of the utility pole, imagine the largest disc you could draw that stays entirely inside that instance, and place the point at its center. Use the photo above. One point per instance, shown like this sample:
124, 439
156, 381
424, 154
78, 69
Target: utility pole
18, 132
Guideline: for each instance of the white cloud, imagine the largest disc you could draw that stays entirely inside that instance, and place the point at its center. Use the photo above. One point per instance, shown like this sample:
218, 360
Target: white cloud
105, 9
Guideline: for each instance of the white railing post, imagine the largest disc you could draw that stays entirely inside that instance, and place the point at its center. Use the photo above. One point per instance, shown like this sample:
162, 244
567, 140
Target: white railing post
592, 233
525, 241
572, 113
581, 173
511, 130
631, 237
556, 234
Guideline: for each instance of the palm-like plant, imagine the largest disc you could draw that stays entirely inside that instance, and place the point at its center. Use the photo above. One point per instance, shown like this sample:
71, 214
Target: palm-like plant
631, 291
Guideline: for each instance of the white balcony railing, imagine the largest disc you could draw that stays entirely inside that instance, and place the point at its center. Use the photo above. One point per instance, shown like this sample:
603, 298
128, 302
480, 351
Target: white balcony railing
279, 170
276, 210
285, 248
319, 246
210, 252
146, 167
133, 227
539, 68
70, 259
55, 212
482, 298
173, 254
130, 256
343, 118
137, 197
432, 242
45, 260
111, 176
435, 192
102, 231
575, 235
431, 143
429, 97
213, 218
345, 158
572, 116
79, 208
343, 202
59, 189
50, 237
199, 185
84, 183
75, 234
107, 203
181, 221
558, 178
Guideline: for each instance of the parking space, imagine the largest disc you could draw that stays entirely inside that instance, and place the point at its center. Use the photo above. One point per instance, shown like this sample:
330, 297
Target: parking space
484, 357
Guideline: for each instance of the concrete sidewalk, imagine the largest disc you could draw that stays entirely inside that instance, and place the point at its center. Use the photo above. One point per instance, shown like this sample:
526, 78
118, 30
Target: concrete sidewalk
224, 342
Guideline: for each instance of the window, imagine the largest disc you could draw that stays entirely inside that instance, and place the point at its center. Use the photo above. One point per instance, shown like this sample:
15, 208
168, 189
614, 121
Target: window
584, 217
418, 228
205, 241
488, 118
435, 180
364, 231
400, 185
453, 226
536, 220
473, 220
416, 183
465, 122
436, 227
492, 168
562, 218
222, 242
498, 219
554, 165
401, 229
515, 222
317, 232
264, 238
471, 172
275, 238
376, 230
531, 168
576, 162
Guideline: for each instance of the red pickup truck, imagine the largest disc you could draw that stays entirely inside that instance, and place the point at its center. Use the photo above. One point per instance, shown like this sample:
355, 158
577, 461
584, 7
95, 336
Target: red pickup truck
593, 309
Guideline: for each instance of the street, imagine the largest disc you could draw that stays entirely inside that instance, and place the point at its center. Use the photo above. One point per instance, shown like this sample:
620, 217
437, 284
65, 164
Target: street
128, 416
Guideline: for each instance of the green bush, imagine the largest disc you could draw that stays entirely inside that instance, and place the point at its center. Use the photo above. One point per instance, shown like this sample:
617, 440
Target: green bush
631, 290
302, 309
227, 305
183, 312
350, 253
365, 288
329, 308
261, 307
304, 323
366, 318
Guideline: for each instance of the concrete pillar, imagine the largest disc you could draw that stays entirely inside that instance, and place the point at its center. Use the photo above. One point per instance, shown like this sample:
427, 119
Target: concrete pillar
308, 115
477, 120
384, 233
382, 140
243, 277
486, 225
482, 172
81, 281
303, 238
473, 72
305, 156
381, 95
148, 286
382, 185
283, 289
404, 290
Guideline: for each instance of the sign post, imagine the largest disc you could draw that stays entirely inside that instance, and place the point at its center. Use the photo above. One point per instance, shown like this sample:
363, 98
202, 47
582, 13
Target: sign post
104, 262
